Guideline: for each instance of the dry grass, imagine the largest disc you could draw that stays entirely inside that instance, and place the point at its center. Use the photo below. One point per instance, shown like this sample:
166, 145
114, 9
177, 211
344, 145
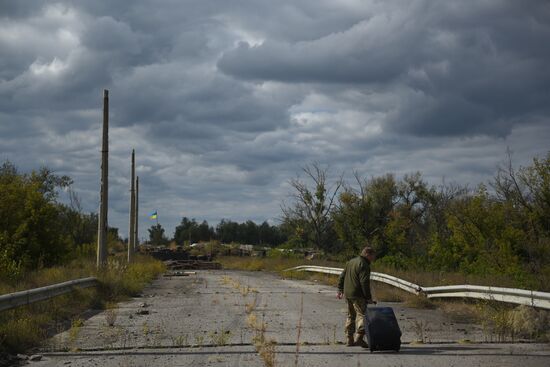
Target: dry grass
22, 331
74, 331
460, 311
266, 350
527, 322
503, 322
258, 326
251, 306
267, 353
299, 330
434, 278
47, 276
25, 327
420, 301
386, 293
111, 314
265, 347
420, 328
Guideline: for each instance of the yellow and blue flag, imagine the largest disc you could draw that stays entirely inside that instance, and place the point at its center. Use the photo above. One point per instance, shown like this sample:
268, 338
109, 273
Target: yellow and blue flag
153, 215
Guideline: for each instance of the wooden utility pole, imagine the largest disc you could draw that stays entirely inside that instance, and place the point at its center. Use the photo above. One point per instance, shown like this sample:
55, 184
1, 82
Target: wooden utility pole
104, 196
131, 232
136, 237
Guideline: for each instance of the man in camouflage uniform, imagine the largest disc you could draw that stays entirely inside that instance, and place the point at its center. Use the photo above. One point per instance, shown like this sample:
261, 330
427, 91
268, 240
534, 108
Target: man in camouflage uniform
354, 284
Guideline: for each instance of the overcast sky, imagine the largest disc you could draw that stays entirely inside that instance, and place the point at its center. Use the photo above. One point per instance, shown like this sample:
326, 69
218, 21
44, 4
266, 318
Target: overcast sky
224, 101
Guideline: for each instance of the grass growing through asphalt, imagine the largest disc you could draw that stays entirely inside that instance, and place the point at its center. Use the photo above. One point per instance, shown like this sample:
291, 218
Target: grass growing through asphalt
26, 327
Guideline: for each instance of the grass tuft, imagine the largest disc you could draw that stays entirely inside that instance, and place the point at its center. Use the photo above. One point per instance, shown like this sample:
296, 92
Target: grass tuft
420, 301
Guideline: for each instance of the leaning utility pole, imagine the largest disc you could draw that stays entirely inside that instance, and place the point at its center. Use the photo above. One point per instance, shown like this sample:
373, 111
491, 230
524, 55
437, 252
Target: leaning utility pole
103, 205
131, 232
136, 238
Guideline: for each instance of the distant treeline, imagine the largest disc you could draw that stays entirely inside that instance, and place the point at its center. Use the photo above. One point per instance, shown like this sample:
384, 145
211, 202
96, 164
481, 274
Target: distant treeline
190, 231
502, 228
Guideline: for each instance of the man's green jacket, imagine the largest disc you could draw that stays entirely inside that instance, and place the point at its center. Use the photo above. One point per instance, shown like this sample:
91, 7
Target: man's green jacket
354, 281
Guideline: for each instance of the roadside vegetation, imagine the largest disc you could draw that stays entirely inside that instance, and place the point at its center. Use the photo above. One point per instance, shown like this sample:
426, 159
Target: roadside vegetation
492, 232
44, 242
499, 230
26, 327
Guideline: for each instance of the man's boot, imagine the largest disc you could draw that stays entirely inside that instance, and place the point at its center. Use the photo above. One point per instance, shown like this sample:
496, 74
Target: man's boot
350, 342
360, 341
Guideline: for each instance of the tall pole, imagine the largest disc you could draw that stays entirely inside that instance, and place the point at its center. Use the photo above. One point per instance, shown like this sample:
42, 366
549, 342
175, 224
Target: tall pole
131, 232
136, 217
103, 205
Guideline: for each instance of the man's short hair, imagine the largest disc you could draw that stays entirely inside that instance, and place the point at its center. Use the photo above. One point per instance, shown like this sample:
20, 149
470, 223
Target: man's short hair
367, 251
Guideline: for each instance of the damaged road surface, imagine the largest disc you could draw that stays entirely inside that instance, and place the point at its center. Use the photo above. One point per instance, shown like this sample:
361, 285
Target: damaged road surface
233, 318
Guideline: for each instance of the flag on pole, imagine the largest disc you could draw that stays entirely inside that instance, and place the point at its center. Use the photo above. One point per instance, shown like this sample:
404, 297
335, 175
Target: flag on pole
153, 215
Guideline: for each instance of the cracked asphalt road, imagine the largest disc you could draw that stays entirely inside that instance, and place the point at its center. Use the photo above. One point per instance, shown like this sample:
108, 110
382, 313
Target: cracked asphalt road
215, 318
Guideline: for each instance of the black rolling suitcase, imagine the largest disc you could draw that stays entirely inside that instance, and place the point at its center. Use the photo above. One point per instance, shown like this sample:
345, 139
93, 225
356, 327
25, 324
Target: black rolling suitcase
381, 329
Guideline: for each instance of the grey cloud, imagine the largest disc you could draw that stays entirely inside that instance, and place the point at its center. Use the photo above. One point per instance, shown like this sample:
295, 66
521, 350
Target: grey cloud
21, 8
316, 61
224, 101
108, 35
190, 106
479, 66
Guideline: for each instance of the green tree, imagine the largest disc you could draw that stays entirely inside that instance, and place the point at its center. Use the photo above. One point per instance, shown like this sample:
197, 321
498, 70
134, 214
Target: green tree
32, 232
406, 230
190, 231
363, 213
525, 194
79, 226
483, 239
205, 232
156, 235
312, 206
186, 231
227, 231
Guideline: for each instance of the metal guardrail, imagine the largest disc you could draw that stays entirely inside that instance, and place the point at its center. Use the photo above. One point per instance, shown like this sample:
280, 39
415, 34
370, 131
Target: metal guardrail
22, 298
380, 277
509, 295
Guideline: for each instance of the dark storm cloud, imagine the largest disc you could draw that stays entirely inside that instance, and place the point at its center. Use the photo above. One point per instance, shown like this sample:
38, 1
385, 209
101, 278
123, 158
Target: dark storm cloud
461, 68
194, 97
224, 101
21, 8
